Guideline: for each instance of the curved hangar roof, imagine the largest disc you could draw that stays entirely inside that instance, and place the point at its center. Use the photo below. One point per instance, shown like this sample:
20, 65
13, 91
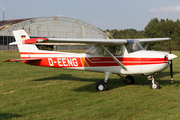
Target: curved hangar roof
51, 27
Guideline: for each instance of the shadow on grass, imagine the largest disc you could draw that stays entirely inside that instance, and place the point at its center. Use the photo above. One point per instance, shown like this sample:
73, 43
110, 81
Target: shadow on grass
7, 116
65, 77
112, 83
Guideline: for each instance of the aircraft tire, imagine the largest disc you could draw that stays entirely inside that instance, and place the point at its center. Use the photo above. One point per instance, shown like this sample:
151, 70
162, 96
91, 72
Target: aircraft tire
129, 79
101, 86
156, 86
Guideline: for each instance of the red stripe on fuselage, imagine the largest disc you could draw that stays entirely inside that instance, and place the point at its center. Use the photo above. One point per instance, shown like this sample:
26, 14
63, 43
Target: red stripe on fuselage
65, 62
108, 61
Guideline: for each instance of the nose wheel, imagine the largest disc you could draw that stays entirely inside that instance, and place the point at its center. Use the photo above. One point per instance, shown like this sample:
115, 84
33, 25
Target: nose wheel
154, 84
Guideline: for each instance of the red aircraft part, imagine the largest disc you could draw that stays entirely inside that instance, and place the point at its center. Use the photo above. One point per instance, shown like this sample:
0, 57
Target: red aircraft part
34, 40
27, 59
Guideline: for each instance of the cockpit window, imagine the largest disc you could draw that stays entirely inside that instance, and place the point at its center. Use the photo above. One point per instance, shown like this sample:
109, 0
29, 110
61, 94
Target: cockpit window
133, 45
91, 50
115, 50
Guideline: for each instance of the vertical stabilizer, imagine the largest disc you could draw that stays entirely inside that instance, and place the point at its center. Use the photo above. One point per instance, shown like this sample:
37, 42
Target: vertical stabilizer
21, 35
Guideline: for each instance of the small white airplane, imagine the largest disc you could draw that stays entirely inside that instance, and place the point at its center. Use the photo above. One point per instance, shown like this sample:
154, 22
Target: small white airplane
109, 56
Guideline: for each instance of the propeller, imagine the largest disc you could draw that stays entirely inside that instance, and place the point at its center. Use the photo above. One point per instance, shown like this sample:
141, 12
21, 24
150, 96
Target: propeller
171, 66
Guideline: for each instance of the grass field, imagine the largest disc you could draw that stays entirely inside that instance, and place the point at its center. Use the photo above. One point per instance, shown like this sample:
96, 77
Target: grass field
32, 92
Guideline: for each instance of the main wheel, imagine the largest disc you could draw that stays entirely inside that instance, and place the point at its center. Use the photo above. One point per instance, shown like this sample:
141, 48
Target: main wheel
155, 86
129, 79
101, 86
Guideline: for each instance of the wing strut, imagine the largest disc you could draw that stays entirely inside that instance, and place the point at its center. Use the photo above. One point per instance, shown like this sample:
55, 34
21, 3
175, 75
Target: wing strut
114, 58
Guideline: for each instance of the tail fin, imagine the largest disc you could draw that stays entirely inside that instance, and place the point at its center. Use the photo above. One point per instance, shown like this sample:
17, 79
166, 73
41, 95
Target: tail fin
21, 35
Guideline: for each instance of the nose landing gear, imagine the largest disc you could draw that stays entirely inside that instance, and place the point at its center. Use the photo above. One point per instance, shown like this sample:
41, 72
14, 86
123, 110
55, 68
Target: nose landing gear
154, 84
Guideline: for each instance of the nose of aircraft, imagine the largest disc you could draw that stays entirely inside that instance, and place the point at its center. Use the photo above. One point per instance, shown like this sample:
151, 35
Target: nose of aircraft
171, 56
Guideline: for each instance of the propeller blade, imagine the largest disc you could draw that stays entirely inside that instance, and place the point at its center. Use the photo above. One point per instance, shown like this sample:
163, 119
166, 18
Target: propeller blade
171, 67
171, 71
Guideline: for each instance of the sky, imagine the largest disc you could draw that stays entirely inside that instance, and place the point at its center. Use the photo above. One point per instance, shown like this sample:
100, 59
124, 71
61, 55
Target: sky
103, 14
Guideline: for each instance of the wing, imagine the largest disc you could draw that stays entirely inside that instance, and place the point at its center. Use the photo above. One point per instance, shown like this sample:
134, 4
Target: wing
71, 40
17, 60
89, 41
85, 41
103, 41
152, 39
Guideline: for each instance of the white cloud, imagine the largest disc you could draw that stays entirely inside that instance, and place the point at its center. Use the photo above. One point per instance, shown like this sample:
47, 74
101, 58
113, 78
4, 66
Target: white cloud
170, 9
166, 9
152, 10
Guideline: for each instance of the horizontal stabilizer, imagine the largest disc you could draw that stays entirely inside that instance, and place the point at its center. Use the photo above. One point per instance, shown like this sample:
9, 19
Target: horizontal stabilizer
28, 59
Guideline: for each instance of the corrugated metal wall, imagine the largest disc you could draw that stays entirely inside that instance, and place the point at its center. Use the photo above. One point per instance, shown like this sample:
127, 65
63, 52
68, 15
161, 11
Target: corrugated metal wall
55, 27
61, 27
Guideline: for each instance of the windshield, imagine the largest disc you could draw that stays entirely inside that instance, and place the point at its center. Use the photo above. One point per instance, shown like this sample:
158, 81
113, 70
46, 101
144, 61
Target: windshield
133, 45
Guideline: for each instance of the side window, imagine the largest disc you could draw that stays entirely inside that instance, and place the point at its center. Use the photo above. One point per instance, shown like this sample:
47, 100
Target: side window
115, 50
119, 50
91, 50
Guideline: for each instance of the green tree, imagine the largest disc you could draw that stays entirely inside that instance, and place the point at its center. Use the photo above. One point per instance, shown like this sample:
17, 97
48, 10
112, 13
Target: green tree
154, 29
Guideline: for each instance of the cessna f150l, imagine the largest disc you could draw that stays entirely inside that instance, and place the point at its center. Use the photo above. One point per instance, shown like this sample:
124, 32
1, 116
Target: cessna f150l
109, 56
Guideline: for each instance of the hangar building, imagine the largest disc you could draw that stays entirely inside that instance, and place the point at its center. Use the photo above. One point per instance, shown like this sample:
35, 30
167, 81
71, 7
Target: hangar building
61, 27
